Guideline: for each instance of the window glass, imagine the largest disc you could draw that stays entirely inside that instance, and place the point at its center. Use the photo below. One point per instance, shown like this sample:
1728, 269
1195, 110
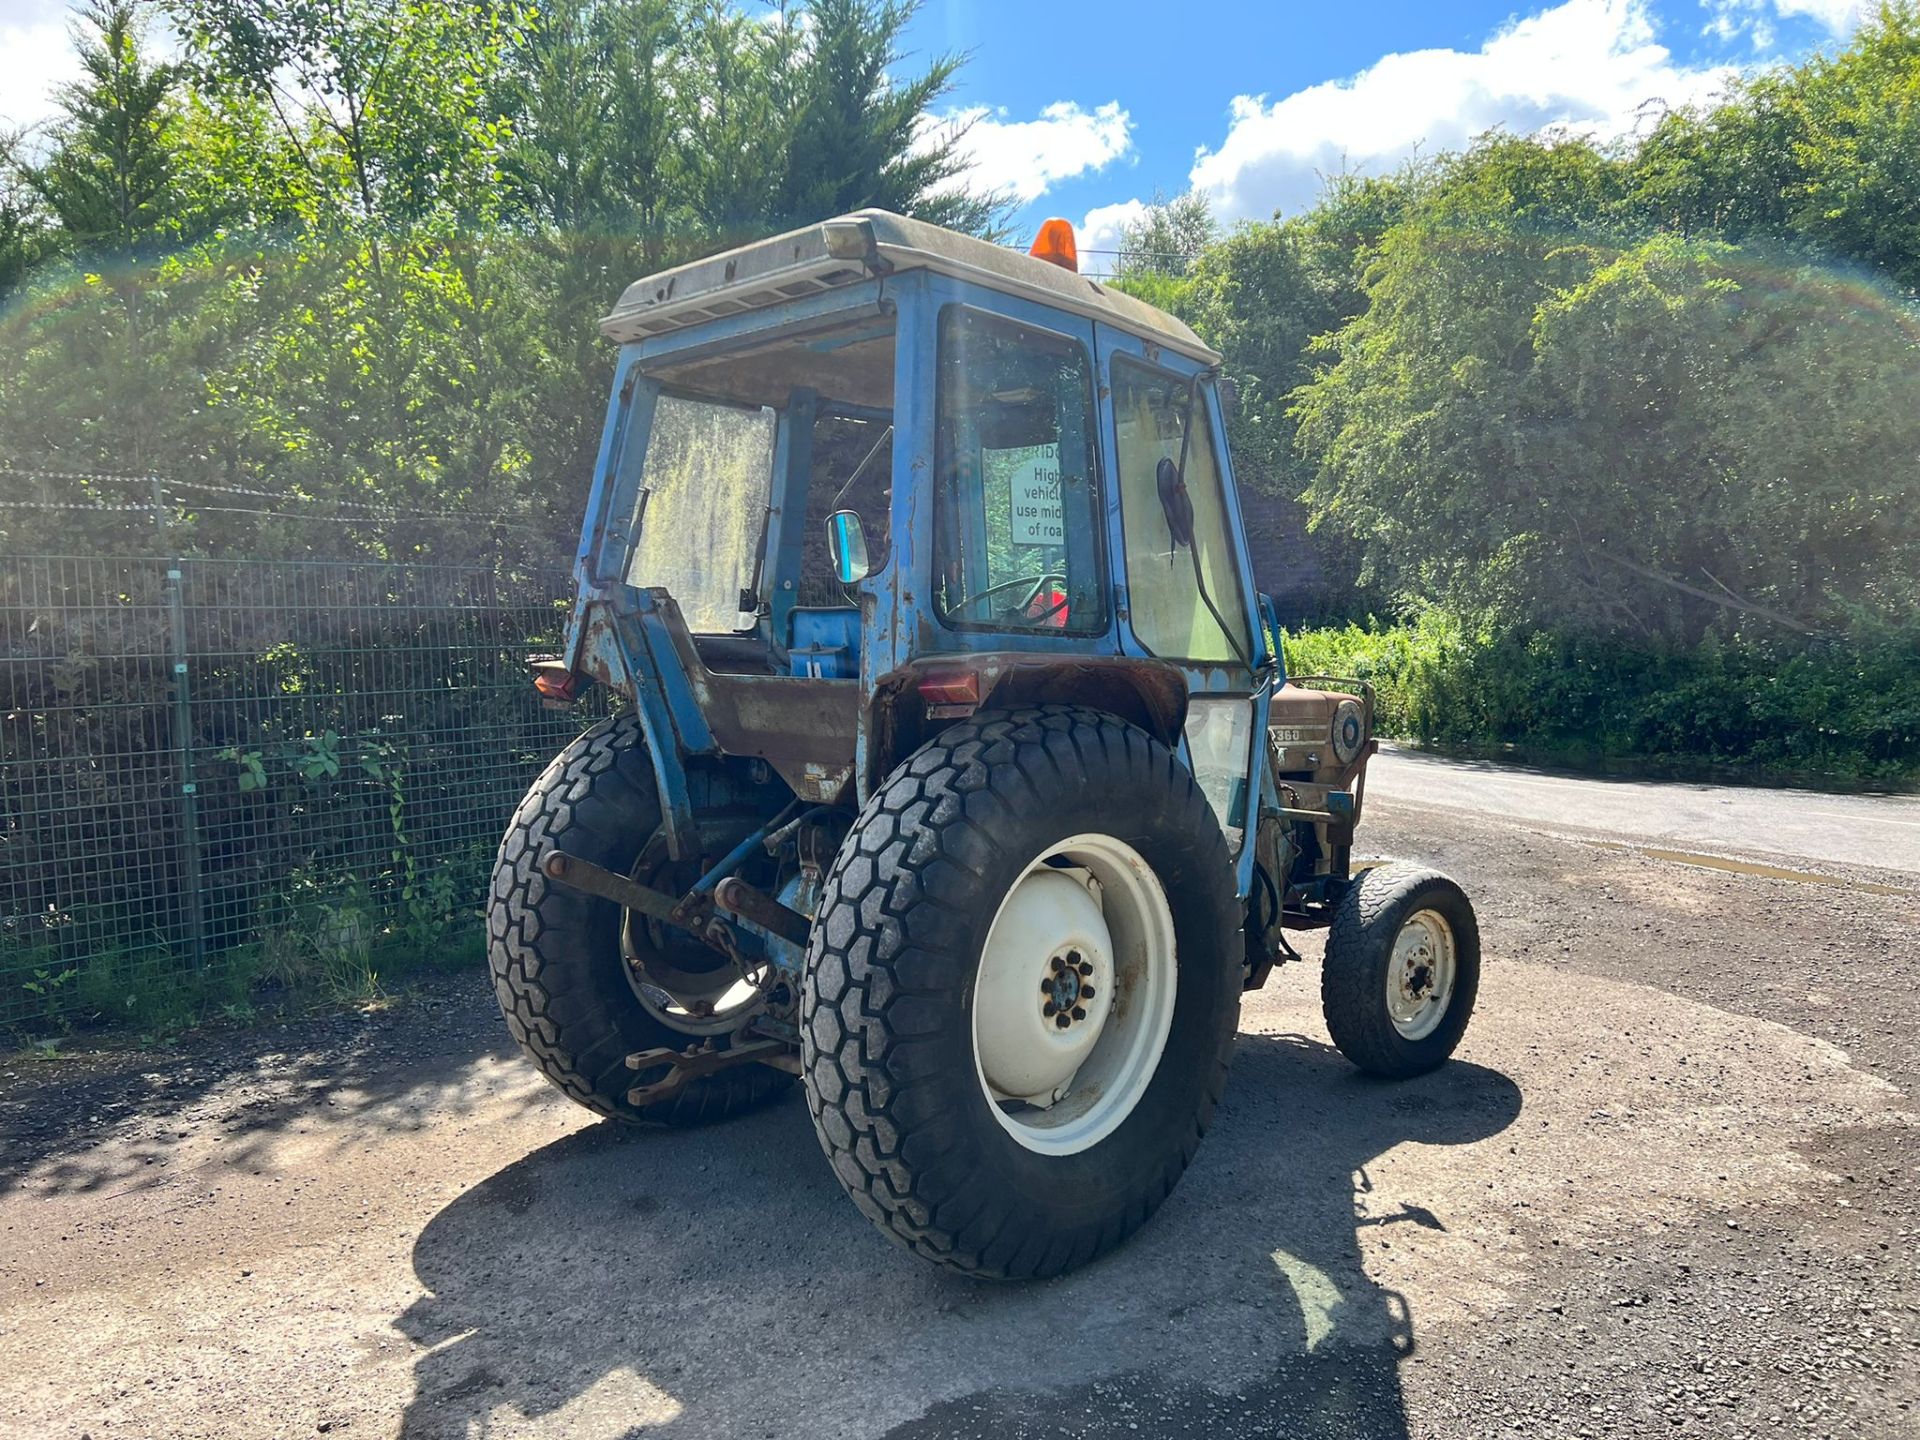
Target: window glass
703, 508
1017, 538
852, 469
1179, 547
1217, 734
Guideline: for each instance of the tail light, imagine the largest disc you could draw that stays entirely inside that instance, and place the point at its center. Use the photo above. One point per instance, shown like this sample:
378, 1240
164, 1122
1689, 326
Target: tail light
554, 681
950, 694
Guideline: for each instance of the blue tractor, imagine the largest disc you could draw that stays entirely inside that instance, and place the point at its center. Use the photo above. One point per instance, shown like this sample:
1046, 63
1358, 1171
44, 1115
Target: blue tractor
957, 773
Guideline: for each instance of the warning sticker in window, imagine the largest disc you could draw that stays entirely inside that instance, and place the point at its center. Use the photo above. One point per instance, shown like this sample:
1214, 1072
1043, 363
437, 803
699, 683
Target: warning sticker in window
1033, 489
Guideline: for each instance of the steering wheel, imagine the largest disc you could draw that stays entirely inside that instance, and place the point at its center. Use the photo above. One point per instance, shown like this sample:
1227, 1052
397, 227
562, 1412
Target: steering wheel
1035, 584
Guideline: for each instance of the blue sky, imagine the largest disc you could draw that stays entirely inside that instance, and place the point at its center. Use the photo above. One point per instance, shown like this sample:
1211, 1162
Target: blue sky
1086, 113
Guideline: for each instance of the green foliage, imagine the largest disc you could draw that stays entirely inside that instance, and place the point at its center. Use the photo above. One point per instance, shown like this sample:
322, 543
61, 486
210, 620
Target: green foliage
1847, 709
852, 126
1632, 430
110, 181
23, 226
350, 256
1166, 238
1823, 157
1648, 441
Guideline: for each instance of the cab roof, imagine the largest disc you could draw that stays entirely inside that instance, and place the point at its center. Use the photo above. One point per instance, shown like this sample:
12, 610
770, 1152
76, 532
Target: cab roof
849, 248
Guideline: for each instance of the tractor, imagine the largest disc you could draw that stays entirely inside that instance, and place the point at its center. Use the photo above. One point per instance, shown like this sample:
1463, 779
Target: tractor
952, 767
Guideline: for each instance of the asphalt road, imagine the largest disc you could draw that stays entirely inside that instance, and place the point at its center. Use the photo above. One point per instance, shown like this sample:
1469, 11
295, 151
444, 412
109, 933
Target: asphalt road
1668, 1187
1836, 828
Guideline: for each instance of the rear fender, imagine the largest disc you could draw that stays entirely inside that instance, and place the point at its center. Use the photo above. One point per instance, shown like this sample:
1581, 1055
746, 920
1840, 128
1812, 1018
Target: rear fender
1148, 693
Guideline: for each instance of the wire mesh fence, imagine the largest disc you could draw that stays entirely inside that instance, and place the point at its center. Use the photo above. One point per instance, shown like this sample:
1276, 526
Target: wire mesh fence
223, 775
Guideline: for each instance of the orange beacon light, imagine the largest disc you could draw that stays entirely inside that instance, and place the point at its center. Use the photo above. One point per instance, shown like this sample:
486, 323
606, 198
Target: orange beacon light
1055, 244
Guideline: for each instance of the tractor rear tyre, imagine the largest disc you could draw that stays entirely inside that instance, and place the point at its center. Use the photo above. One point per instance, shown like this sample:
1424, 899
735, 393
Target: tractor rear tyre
1402, 971
1022, 990
556, 954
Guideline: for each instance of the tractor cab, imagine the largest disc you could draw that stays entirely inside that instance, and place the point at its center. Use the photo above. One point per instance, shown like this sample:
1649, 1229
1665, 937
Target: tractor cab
861, 480
957, 774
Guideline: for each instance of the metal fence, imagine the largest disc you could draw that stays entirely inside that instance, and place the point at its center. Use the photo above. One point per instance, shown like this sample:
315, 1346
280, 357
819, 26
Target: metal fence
222, 776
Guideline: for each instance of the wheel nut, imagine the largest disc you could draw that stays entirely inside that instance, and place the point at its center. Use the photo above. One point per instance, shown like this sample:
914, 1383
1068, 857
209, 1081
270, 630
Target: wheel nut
1078, 1013
1049, 1008
1086, 992
1085, 968
1056, 964
1063, 1019
1073, 957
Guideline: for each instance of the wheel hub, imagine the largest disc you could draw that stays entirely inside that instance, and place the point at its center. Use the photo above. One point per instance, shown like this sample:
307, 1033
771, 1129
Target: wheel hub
1073, 998
1420, 975
1051, 939
1065, 988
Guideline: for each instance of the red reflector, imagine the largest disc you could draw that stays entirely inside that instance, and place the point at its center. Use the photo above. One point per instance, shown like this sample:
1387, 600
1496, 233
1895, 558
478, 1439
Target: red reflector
951, 687
555, 683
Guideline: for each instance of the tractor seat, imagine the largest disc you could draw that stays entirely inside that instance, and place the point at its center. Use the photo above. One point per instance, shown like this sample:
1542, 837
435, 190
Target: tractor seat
733, 654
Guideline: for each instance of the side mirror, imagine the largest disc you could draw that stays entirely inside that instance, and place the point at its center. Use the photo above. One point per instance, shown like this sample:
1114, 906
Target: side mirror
847, 543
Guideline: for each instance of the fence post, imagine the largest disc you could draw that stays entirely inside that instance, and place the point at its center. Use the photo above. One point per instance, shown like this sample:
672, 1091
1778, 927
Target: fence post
183, 748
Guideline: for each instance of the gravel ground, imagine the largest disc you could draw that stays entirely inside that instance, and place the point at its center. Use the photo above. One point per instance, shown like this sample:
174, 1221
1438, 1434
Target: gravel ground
1668, 1188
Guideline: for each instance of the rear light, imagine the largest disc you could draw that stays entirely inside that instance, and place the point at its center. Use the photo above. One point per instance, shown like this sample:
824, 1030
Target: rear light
950, 694
554, 681
950, 687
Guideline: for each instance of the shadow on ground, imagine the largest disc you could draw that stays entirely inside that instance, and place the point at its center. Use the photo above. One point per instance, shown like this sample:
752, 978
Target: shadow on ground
405, 1068
717, 1283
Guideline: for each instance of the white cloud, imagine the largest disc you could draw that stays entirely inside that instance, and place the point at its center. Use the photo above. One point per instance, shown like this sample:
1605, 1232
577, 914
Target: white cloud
1101, 231
1589, 67
1026, 158
1729, 19
1839, 16
36, 56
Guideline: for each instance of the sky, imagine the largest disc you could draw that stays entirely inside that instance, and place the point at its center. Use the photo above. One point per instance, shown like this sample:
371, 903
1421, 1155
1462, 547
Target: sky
1089, 113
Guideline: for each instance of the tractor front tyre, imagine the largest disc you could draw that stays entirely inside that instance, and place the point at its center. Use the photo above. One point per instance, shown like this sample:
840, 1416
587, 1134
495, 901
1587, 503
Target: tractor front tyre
560, 969
1402, 971
1022, 990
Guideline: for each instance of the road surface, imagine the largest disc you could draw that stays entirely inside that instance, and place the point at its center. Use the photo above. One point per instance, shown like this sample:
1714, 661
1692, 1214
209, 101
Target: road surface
1834, 828
1666, 1188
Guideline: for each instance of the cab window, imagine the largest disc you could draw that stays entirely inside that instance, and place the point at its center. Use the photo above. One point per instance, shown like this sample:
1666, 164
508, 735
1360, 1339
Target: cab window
1183, 586
702, 508
852, 469
1017, 509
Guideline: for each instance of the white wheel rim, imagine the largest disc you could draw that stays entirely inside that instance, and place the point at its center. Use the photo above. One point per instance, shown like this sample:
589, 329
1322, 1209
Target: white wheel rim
1421, 974
1062, 1088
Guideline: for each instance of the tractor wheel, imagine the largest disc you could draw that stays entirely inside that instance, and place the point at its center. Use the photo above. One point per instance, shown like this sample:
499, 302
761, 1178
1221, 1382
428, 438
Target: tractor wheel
1021, 991
1402, 971
561, 959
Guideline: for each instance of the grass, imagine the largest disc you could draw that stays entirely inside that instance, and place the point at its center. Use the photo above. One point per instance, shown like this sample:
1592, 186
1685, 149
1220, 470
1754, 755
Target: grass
152, 995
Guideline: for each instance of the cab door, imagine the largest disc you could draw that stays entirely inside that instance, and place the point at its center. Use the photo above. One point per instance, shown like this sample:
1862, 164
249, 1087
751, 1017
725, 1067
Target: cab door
1184, 580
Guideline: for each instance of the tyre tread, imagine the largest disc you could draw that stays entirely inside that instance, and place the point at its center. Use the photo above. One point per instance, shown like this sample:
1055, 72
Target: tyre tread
1352, 976
886, 915
538, 946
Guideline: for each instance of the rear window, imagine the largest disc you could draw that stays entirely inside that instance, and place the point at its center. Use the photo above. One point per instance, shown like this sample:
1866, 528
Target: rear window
702, 510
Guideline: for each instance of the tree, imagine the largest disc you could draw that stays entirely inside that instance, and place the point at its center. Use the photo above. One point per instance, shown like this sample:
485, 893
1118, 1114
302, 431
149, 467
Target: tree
23, 227
1167, 236
1859, 149
1818, 161
110, 181
858, 134
1660, 440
